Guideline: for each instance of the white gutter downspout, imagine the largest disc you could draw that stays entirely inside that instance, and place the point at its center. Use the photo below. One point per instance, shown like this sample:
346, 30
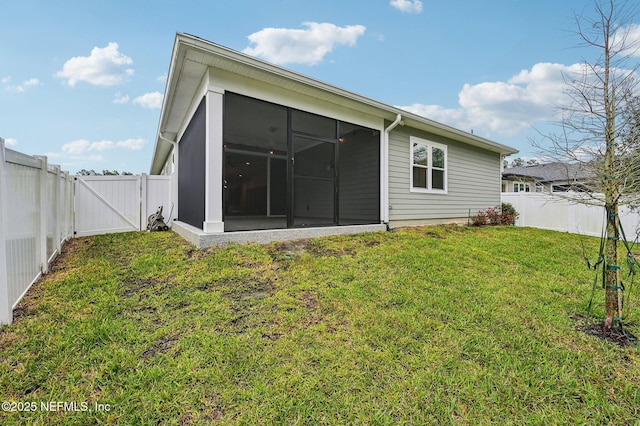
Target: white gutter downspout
385, 169
174, 146
167, 140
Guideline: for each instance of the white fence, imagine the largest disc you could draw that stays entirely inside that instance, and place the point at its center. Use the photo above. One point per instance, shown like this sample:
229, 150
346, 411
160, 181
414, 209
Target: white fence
558, 213
41, 207
107, 204
36, 202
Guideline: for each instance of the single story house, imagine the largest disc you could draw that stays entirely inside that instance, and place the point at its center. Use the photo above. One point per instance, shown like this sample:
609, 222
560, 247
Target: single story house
256, 147
549, 177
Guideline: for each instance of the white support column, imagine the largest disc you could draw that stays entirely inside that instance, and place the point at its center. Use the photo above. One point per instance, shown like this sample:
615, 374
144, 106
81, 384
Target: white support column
213, 173
6, 311
42, 210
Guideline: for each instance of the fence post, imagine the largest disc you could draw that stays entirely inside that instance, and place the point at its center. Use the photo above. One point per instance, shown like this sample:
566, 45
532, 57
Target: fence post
64, 231
6, 308
143, 201
57, 205
572, 222
74, 205
42, 208
68, 206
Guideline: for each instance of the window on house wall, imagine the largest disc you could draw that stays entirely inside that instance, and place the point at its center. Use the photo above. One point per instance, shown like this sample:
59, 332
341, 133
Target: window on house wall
521, 187
428, 166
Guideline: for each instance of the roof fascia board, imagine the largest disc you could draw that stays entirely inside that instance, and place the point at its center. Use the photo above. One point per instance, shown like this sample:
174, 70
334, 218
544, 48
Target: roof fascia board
177, 55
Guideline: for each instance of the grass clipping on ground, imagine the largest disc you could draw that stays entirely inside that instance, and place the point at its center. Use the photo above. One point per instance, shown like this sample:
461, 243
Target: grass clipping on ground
420, 326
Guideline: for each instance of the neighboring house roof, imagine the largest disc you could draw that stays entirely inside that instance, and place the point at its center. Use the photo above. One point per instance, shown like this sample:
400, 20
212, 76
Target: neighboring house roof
550, 172
193, 56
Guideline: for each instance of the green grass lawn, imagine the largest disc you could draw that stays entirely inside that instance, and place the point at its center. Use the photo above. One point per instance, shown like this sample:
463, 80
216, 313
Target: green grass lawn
434, 325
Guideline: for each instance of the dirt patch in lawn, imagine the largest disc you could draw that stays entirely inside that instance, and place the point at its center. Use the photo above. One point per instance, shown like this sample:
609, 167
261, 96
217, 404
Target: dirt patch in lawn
22, 311
134, 286
160, 346
241, 288
194, 254
322, 251
620, 338
70, 247
288, 250
309, 299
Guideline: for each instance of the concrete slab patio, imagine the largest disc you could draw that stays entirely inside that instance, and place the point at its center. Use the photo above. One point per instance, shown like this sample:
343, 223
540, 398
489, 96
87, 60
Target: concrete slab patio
201, 239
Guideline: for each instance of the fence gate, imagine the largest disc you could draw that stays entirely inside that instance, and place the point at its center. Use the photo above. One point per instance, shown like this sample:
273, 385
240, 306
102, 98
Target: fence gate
107, 204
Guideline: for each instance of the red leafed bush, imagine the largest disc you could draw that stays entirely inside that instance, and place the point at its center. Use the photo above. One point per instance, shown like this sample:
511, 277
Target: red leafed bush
505, 214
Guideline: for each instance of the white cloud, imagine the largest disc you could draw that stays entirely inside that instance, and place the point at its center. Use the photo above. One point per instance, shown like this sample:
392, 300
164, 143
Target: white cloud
32, 82
307, 46
627, 40
82, 146
101, 146
76, 147
121, 99
22, 87
162, 78
132, 144
106, 66
10, 143
407, 6
76, 160
151, 100
505, 107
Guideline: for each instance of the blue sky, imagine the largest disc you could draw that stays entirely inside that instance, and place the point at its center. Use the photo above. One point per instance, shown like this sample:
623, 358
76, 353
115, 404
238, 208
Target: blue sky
82, 81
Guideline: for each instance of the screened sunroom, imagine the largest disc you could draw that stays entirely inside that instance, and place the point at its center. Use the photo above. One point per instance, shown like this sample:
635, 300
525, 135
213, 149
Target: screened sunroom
286, 168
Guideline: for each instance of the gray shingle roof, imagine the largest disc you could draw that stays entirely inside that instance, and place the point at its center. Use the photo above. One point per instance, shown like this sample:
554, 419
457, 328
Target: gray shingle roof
550, 172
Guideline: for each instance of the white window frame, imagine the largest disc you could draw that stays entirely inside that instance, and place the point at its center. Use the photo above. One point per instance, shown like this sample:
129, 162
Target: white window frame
521, 187
430, 145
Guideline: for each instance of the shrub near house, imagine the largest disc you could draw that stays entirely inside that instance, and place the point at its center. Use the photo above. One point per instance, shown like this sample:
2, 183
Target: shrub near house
505, 214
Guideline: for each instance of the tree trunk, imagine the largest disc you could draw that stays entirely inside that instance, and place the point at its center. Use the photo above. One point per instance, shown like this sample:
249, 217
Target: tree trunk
613, 307
613, 303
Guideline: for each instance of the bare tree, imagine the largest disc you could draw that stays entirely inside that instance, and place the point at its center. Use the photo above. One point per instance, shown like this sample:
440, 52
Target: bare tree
599, 128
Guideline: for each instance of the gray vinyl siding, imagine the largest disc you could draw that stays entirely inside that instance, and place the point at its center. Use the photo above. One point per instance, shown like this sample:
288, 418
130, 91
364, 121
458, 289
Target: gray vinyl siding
473, 180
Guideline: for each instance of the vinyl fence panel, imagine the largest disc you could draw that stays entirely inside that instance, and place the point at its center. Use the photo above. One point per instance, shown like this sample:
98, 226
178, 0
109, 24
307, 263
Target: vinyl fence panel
108, 204
559, 213
6, 314
158, 194
31, 228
